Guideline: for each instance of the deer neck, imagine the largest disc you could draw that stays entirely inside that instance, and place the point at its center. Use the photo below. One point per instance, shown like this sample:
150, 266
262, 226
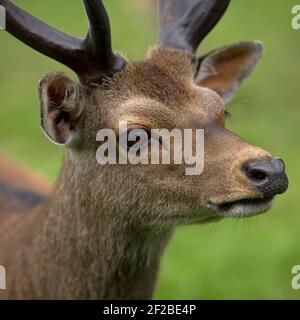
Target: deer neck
90, 251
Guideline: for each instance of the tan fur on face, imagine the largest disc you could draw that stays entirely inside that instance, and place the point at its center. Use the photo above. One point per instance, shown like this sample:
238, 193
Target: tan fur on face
160, 93
103, 230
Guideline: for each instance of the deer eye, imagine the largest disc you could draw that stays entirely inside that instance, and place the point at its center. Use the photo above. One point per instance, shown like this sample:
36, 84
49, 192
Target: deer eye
136, 135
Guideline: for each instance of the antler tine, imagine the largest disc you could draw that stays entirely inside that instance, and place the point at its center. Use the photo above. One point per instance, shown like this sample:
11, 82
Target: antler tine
89, 58
98, 40
185, 23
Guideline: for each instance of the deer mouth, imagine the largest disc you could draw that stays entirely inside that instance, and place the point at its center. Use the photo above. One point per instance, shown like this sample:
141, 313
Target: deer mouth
243, 207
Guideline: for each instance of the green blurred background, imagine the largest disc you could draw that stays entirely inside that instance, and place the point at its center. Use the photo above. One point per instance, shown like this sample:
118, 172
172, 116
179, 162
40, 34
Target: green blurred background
240, 259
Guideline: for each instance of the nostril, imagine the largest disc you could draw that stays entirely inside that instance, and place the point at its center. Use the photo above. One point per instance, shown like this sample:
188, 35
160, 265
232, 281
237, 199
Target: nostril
256, 173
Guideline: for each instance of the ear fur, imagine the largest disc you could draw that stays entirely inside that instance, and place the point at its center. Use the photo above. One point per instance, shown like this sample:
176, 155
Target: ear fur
60, 107
224, 70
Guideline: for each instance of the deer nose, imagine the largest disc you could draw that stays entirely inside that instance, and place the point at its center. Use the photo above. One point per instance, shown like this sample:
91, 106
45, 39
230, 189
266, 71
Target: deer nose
268, 176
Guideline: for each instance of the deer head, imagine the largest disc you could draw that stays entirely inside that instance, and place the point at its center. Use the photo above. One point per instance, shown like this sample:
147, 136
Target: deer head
170, 88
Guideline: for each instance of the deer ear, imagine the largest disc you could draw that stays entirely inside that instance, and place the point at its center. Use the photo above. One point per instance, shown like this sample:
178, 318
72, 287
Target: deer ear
223, 70
60, 107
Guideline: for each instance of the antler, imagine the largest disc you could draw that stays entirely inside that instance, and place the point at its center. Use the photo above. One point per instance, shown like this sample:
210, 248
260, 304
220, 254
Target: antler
185, 23
92, 58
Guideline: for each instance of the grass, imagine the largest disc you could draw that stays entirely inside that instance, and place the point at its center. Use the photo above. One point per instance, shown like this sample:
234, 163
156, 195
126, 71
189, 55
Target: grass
245, 259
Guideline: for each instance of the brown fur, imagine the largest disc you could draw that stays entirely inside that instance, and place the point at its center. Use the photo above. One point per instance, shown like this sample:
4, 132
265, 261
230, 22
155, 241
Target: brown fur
102, 233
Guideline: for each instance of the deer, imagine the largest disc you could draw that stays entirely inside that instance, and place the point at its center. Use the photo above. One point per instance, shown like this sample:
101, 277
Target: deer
101, 230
